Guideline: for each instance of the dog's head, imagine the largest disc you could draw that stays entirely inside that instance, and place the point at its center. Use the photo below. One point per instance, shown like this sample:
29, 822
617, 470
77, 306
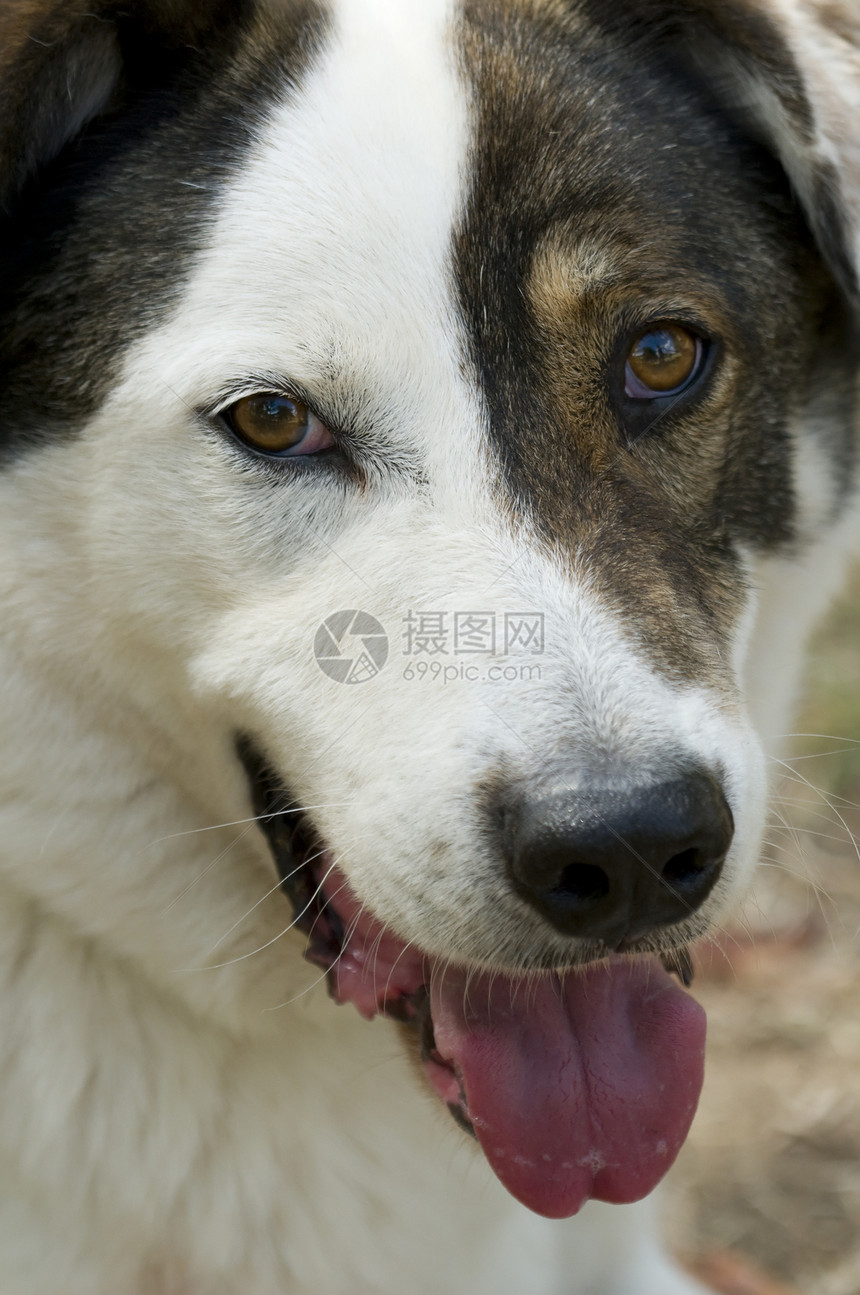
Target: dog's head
402, 404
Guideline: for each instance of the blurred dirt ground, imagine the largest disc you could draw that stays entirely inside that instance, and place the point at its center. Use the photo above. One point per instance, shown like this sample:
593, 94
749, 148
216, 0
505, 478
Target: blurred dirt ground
771, 1172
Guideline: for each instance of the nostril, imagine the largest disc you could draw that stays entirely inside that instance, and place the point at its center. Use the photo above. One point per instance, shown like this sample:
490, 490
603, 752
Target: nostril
685, 869
581, 883
615, 864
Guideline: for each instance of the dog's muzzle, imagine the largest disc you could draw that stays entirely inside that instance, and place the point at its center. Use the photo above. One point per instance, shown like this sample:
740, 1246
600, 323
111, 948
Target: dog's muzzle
577, 1082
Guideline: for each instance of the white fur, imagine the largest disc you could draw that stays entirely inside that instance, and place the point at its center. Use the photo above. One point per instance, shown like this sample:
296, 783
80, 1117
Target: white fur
830, 67
182, 1111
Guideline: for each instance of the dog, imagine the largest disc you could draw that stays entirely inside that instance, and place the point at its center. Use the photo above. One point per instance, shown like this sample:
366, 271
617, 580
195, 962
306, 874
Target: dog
428, 437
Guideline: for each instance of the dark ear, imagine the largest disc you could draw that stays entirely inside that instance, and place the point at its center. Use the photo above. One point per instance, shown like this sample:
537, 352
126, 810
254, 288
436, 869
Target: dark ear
63, 62
790, 69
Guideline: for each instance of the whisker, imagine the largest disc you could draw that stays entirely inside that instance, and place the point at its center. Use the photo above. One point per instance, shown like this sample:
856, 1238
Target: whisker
327, 899
205, 872
809, 812
277, 886
797, 832
288, 1002
240, 822
828, 798
823, 737
217, 966
827, 801
405, 949
784, 824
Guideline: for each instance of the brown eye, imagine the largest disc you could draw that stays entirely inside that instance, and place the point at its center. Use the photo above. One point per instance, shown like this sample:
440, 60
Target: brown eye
277, 425
662, 361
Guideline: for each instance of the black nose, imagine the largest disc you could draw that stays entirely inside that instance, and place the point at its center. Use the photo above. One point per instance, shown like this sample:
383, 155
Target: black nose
613, 865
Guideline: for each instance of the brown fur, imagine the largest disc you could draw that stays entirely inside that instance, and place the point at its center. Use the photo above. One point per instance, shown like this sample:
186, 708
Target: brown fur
637, 199
839, 18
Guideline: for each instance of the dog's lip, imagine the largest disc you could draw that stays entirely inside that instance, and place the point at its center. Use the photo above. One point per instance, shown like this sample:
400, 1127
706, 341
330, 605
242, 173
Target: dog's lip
398, 970
378, 973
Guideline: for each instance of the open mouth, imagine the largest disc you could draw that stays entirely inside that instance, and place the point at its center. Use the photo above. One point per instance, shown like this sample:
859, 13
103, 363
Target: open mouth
578, 1084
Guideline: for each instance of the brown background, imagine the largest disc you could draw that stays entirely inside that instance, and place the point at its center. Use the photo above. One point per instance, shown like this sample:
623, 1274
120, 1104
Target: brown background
772, 1168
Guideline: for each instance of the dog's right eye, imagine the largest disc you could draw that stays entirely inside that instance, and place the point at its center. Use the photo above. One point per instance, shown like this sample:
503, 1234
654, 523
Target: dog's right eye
277, 425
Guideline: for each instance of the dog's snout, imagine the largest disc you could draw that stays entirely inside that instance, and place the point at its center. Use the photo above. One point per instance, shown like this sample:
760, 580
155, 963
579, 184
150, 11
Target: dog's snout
613, 865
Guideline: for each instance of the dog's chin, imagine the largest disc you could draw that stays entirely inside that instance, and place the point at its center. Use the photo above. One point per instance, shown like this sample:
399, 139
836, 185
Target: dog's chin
577, 1082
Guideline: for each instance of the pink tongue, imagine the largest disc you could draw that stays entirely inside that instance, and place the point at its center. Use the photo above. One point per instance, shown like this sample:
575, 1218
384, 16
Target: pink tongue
578, 1087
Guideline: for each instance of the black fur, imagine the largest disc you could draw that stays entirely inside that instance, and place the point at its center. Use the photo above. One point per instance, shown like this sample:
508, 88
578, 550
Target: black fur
96, 246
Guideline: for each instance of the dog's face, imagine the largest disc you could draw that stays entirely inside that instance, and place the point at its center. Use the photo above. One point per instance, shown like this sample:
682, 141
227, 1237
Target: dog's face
437, 314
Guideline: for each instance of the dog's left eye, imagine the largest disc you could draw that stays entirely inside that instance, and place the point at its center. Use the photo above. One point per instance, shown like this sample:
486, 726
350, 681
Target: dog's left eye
277, 425
663, 361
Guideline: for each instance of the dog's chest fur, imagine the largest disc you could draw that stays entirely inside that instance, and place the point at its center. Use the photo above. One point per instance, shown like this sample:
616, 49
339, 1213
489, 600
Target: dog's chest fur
435, 221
